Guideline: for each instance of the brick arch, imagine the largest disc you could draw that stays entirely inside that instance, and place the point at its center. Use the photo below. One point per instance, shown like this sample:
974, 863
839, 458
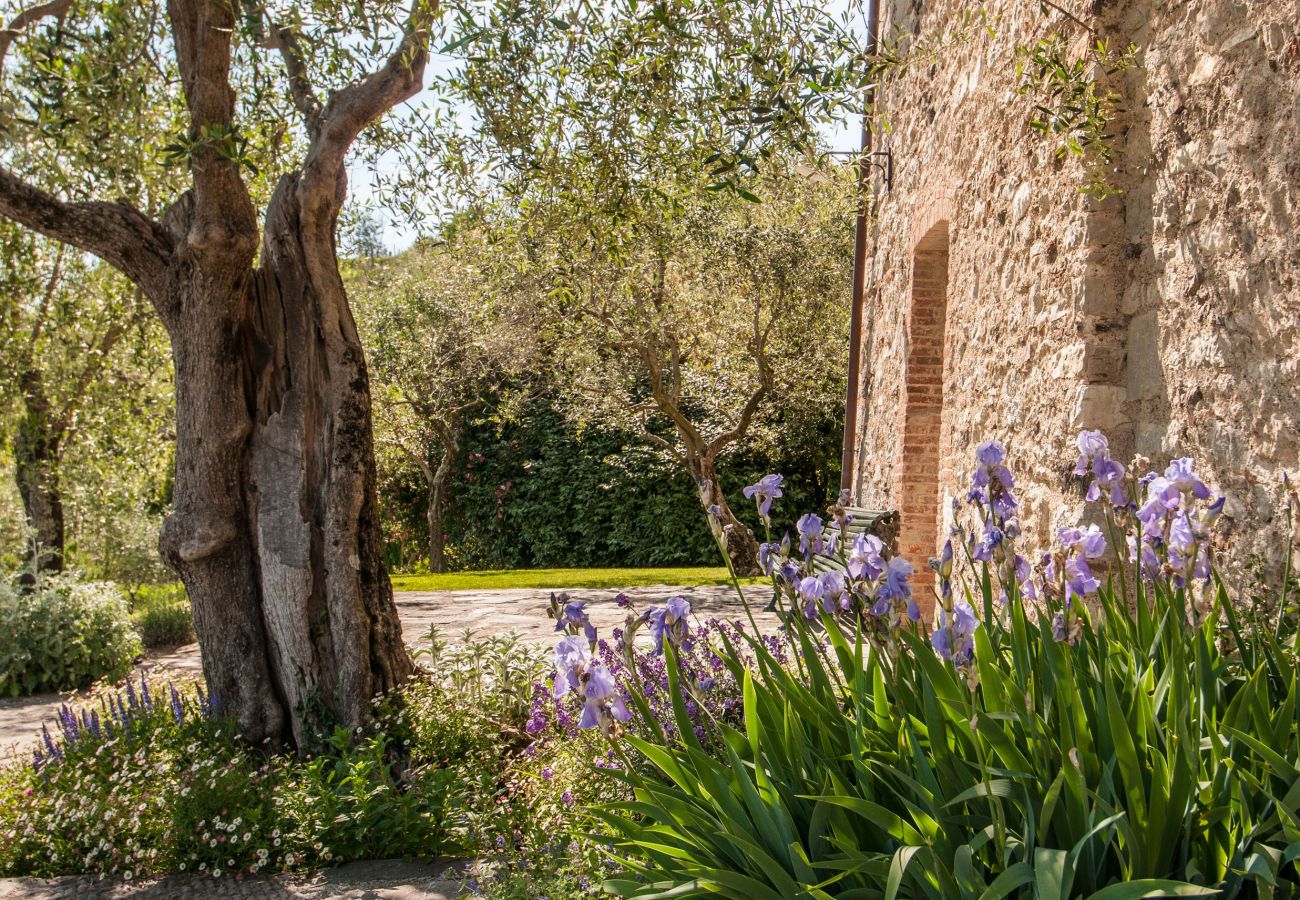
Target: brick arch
920, 457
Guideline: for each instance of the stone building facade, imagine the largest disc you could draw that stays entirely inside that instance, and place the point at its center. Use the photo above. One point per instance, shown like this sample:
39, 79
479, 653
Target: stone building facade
1000, 301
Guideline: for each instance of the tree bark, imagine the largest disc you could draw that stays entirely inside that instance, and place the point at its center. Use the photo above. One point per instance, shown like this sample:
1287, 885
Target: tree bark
438, 485
37, 452
742, 546
275, 530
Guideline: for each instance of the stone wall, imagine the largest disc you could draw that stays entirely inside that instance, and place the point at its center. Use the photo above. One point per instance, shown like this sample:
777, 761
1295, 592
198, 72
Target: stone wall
1168, 316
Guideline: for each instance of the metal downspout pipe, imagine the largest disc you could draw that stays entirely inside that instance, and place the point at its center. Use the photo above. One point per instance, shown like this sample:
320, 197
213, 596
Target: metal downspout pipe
859, 265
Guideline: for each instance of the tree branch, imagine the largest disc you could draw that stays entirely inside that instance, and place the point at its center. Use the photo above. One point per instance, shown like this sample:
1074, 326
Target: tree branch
354, 108
54, 9
758, 347
43, 308
282, 39
1048, 4
117, 233
223, 218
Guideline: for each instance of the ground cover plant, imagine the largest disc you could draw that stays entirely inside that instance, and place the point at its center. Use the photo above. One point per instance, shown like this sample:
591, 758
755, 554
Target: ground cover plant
155, 778
1075, 725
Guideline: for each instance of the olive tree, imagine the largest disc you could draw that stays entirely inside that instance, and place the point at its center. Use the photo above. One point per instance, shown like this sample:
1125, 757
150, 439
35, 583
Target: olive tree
443, 343
65, 324
698, 333
256, 106
623, 143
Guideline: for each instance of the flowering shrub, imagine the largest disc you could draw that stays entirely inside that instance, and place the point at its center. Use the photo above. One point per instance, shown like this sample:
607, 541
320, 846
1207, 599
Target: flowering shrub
1093, 724
63, 634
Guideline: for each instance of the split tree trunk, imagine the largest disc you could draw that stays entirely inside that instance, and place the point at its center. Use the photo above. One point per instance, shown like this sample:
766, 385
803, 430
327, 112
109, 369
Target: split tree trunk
275, 530
37, 450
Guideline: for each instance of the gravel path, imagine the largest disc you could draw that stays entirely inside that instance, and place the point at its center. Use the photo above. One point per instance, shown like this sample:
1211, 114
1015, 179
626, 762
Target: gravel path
451, 612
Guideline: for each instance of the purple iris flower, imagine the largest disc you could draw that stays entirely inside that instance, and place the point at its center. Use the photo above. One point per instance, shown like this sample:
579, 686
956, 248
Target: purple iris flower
571, 656
988, 544
603, 705
669, 622
954, 638
1090, 541
897, 586
811, 590
1180, 474
834, 591
1079, 580
810, 534
574, 615
766, 551
865, 559
990, 454
1109, 474
992, 481
1210, 514
765, 490
1058, 627
1092, 444
1181, 538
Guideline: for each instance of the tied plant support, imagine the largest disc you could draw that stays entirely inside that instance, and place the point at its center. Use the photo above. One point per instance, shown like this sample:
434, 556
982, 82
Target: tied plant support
1095, 720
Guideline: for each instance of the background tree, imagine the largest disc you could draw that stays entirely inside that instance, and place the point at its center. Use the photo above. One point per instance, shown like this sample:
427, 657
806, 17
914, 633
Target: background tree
443, 346
706, 320
602, 131
66, 321
274, 527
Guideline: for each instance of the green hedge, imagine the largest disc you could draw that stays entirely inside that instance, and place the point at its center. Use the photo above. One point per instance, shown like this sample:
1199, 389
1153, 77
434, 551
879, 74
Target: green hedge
542, 492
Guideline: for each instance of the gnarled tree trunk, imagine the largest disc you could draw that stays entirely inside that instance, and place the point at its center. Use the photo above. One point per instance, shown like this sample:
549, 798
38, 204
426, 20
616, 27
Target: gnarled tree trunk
37, 450
274, 528
275, 531
438, 486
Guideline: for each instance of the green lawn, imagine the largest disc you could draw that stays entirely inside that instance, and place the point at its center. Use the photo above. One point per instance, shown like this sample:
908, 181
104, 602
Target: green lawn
563, 578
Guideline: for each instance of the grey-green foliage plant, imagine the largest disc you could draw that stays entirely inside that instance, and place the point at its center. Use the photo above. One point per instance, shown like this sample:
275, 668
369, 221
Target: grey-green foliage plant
1145, 742
61, 634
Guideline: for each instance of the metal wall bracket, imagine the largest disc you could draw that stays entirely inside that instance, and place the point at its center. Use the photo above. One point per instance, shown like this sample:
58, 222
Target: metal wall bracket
883, 162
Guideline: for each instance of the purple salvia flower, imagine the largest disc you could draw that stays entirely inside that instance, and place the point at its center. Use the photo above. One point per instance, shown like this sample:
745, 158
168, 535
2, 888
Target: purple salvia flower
178, 710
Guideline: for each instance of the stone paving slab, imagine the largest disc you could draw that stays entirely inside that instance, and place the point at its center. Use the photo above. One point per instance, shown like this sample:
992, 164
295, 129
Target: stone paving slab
522, 611
372, 880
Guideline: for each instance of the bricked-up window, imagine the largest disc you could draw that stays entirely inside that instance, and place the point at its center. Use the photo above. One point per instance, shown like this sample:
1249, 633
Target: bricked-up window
923, 408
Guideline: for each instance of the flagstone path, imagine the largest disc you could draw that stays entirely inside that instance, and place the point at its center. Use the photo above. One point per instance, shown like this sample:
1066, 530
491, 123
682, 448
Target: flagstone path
522, 611
386, 879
